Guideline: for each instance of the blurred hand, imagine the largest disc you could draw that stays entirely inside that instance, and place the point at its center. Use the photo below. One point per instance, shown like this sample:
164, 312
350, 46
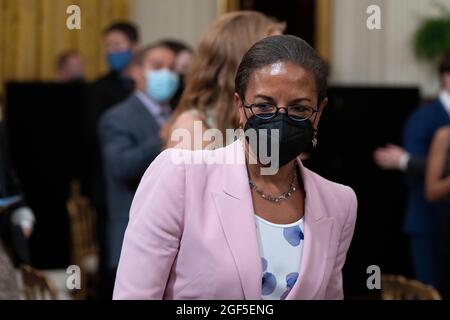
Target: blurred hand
27, 232
389, 157
24, 217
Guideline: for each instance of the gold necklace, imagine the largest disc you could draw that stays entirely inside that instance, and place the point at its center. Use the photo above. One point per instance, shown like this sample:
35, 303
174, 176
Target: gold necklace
281, 197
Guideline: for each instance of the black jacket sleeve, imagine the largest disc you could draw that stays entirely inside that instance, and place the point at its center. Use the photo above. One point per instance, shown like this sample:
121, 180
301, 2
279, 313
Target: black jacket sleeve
416, 166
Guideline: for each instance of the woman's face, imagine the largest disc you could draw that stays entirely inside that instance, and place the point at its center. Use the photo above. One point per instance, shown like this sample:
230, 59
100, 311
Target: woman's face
282, 84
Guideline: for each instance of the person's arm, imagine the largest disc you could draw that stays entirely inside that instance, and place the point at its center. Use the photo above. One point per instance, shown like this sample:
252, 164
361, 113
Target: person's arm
436, 185
154, 231
126, 159
416, 165
186, 133
335, 289
22, 215
391, 157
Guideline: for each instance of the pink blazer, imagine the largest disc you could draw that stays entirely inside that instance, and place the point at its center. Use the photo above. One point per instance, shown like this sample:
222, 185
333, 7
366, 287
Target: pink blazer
192, 232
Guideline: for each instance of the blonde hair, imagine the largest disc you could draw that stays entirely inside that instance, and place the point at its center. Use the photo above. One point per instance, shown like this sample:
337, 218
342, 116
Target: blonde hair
210, 82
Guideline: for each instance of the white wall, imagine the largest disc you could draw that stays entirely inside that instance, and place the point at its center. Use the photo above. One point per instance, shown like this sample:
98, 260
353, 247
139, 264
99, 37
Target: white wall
359, 56
180, 19
380, 57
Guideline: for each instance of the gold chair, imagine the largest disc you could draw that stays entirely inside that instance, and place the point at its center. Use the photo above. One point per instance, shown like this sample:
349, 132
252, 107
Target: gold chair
84, 248
399, 288
36, 285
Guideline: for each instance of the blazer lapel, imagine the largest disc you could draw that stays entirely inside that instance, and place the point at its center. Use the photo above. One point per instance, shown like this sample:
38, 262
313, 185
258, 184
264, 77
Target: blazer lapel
317, 230
235, 209
313, 261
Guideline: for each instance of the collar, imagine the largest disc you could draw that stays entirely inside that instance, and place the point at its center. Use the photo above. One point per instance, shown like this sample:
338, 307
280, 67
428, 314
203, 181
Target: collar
157, 110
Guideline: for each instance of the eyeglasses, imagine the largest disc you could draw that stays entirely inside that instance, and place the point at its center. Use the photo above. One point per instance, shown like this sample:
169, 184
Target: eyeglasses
296, 112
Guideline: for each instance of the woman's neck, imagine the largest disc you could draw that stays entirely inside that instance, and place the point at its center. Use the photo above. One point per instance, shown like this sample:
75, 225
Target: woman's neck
280, 179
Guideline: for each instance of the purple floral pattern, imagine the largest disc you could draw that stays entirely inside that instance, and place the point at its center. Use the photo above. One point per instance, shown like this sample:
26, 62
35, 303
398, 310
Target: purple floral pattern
291, 279
293, 235
269, 282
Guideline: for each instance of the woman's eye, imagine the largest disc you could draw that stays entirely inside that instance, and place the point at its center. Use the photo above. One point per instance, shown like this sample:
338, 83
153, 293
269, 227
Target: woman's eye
298, 108
264, 107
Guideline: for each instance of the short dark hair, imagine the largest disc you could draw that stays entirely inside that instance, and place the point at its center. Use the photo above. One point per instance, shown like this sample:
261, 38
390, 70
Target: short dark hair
282, 48
444, 64
142, 53
128, 29
64, 57
176, 46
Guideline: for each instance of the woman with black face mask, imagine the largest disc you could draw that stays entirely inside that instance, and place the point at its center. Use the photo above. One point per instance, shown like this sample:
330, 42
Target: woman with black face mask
247, 221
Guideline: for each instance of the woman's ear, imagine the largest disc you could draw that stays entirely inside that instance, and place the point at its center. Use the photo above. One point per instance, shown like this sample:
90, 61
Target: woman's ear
322, 105
237, 100
238, 104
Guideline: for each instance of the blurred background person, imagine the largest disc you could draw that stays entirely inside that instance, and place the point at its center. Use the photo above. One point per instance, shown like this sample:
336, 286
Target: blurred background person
438, 166
70, 67
183, 53
8, 286
437, 185
17, 220
183, 62
120, 45
422, 221
130, 139
208, 96
16, 224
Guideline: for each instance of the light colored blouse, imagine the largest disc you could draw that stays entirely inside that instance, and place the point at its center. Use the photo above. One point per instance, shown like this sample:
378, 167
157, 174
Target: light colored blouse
281, 248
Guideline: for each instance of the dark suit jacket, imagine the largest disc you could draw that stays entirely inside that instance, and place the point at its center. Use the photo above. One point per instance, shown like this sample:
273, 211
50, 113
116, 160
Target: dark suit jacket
422, 217
130, 141
416, 166
102, 95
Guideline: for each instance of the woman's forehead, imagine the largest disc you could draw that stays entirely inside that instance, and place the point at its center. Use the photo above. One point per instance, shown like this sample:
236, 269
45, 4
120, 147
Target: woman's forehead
281, 76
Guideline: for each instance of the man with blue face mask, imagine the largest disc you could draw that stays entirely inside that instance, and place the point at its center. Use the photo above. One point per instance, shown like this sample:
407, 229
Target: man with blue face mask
130, 139
120, 44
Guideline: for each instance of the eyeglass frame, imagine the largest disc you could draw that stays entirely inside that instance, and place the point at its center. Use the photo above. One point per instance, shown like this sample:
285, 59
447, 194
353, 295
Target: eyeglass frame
250, 107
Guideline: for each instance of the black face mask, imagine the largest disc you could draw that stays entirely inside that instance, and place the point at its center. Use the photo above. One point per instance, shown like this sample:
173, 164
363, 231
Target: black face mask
294, 137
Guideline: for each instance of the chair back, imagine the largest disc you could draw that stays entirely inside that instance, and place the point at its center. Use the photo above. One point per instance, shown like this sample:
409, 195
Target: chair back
84, 251
396, 287
36, 285
81, 217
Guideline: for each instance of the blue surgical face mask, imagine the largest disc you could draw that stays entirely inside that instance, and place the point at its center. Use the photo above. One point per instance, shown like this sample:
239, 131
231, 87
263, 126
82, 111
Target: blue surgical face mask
162, 84
118, 61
